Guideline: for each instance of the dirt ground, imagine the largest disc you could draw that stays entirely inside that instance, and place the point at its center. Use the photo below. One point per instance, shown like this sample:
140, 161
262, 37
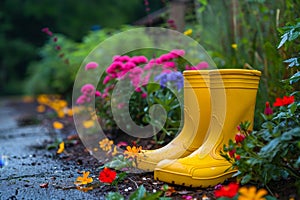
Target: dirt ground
77, 158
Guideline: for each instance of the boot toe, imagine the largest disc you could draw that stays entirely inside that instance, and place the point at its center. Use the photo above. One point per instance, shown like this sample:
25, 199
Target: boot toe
202, 175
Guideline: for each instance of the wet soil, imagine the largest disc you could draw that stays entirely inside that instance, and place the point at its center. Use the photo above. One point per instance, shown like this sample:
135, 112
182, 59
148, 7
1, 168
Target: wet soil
77, 158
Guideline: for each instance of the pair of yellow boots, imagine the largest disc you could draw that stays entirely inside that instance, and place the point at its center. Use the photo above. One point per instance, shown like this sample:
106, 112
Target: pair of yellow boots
215, 102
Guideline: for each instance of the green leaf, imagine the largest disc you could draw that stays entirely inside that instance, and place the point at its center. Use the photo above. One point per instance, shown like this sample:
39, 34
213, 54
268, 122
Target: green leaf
139, 194
295, 78
297, 164
164, 198
114, 196
246, 179
154, 196
292, 62
270, 197
284, 38
152, 87
270, 148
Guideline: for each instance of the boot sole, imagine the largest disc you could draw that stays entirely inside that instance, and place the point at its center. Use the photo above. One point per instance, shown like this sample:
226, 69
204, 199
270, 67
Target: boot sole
190, 181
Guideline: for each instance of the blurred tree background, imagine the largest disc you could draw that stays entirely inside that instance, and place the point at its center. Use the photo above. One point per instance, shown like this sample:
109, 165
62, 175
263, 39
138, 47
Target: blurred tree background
21, 22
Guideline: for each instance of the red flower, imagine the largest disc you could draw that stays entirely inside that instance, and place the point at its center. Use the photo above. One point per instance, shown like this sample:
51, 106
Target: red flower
268, 110
231, 153
107, 175
227, 191
237, 157
239, 138
284, 101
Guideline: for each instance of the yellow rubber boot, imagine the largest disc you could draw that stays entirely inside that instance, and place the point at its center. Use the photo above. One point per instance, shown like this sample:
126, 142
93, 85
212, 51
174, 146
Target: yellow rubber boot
196, 122
233, 94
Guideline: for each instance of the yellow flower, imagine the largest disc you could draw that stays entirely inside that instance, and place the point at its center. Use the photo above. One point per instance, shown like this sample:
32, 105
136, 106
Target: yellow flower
58, 125
83, 180
115, 151
132, 152
60, 114
234, 46
84, 189
251, 194
40, 108
88, 123
61, 148
43, 99
188, 32
106, 144
69, 112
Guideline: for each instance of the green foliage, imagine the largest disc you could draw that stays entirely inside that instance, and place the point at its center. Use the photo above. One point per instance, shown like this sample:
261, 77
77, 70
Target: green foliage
21, 22
243, 34
272, 153
139, 194
290, 39
56, 71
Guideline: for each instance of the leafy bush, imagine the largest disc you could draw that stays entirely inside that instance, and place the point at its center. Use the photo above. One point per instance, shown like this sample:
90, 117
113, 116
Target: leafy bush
60, 61
272, 153
133, 86
243, 34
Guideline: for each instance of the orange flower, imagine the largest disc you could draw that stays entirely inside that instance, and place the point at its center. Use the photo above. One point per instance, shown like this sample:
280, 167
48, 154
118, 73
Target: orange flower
251, 193
69, 112
84, 189
131, 152
84, 179
58, 125
40, 108
61, 148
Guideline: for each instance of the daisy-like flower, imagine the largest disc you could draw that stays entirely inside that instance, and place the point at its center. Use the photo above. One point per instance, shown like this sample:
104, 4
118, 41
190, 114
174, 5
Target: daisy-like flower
131, 152
61, 148
84, 179
251, 193
106, 144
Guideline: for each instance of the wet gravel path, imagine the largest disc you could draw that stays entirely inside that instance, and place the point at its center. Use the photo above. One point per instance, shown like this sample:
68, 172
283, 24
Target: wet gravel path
29, 167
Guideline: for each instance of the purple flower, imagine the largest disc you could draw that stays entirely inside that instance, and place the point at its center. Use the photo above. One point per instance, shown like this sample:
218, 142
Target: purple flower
173, 77
162, 78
